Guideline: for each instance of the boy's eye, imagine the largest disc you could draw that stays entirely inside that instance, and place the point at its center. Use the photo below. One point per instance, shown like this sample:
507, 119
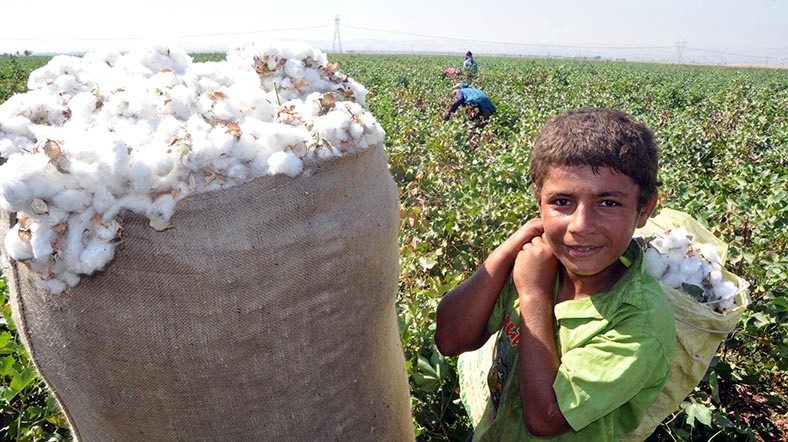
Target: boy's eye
609, 203
561, 202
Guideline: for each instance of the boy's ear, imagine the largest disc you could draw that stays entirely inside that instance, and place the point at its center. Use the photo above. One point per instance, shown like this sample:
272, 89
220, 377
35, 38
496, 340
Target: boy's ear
646, 211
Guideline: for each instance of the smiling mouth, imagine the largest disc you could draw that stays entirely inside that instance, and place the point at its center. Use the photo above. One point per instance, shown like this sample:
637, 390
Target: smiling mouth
583, 250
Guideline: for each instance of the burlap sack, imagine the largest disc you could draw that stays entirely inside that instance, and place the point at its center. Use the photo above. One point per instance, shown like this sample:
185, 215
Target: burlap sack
265, 314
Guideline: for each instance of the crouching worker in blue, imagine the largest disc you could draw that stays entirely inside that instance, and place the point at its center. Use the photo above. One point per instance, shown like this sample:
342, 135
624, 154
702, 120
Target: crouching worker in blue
467, 95
584, 335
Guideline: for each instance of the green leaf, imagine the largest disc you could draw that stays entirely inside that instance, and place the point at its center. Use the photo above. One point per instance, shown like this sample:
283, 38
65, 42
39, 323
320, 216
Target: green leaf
697, 293
425, 366
760, 320
695, 410
7, 366
427, 262
23, 379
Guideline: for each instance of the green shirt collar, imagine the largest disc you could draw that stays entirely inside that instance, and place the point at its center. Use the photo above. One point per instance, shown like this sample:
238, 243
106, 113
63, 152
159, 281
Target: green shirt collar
627, 290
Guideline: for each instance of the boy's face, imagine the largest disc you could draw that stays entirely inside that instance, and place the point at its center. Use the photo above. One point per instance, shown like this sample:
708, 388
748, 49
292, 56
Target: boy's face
589, 218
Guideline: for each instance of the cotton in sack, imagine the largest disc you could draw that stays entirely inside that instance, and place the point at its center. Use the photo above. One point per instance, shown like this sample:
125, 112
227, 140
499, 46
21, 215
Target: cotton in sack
260, 311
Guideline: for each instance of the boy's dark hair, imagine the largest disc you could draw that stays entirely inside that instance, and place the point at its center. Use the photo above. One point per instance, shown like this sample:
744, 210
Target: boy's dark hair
598, 137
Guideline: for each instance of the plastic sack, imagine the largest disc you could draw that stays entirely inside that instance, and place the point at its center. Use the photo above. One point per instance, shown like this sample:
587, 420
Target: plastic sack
699, 329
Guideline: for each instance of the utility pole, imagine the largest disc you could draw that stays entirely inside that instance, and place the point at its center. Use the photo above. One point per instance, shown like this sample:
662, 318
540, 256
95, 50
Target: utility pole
680, 45
337, 40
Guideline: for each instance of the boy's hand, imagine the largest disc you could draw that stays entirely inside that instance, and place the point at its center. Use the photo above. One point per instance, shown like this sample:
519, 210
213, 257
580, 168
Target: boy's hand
535, 268
526, 233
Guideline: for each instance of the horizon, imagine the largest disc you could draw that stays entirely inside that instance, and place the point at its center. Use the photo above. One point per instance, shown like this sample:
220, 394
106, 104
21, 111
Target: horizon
699, 31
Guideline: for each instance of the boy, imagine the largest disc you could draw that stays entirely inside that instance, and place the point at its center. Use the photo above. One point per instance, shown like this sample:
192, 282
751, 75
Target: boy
585, 335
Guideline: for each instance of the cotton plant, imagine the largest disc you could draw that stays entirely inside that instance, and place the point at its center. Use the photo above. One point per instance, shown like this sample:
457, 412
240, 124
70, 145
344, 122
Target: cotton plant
108, 133
675, 259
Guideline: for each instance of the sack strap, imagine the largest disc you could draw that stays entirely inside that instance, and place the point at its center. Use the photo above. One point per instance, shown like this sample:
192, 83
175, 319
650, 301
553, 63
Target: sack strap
716, 332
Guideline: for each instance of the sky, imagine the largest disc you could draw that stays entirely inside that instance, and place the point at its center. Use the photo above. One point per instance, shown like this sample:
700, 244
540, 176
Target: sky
719, 31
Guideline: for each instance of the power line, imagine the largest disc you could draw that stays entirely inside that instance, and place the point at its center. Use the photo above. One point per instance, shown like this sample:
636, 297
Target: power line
413, 34
216, 34
260, 31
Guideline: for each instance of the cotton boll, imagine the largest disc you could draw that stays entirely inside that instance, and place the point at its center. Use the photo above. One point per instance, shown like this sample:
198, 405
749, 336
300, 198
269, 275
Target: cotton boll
96, 255
691, 265
727, 304
69, 278
41, 240
661, 244
106, 232
715, 277
374, 136
139, 177
66, 84
673, 279
709, 252
17, 248
694, 278
675, 258
286, 163
12, 143
679, 238
136, 203
58, 65
725, 290
15, 195
237, 173
178, 101
102, 198
656, 263
15, 125
163, 206
224, 110
54, 286
142, 104
83, 107
359, 92
157, 59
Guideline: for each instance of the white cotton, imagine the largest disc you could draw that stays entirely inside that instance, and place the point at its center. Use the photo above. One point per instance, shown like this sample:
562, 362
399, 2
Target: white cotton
709, 252
83, 107
106, 232
675, 258
15, 247
727, 304
96, 254
691, 265
726, 289
679, 238
285, 163
41, 241
673, 279
108, 133
661, 244
163, 206
715, 277
656, 263
54, 286
15, 194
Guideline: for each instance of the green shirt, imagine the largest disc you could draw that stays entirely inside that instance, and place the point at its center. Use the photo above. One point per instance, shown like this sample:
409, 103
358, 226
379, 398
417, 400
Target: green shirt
615, 350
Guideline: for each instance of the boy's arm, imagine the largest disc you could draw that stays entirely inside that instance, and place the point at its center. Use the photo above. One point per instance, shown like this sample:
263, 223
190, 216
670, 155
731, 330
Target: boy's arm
534, 276
463, 313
